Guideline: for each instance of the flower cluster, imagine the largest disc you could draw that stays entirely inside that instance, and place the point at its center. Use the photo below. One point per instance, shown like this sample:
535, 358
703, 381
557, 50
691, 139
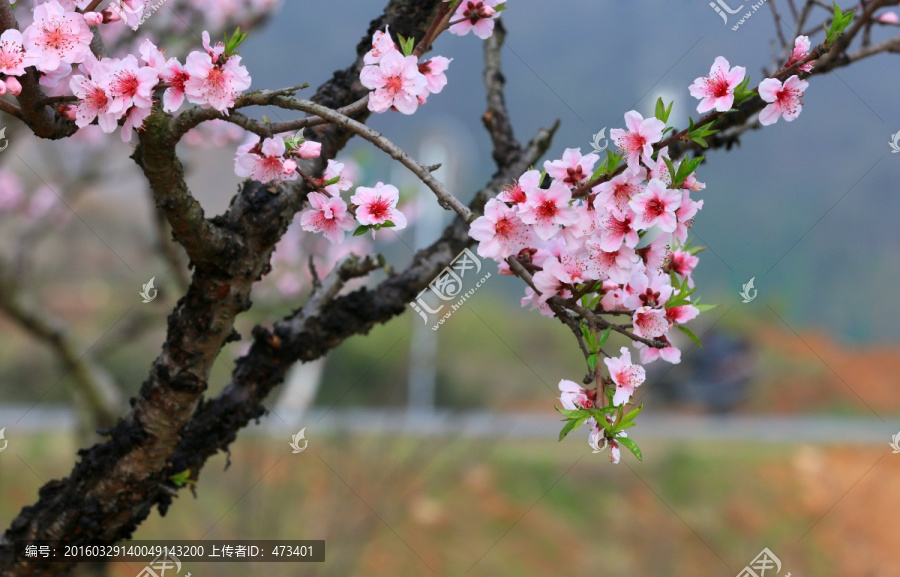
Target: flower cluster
614, 240
399, 81
114, 91
373, 208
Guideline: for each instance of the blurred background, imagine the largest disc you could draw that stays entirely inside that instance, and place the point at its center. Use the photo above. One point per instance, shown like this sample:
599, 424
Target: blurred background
435, 452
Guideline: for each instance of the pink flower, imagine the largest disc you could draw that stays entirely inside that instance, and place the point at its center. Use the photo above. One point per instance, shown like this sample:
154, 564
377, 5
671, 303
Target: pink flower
396, 81
617, 228
434, 70
616, 265
129, 85
784, 98
648, 289
175, 77
534, 299
685, 215
381, 45
262, 163
378, 205
336, 170
650, 322
656, 206
670, 354
620, 190
214, 84
573, 169
548, 209
57, 36
13, 58
474, 16
328, 216
551, 280
626, 375
717, 89
93, 101
654, 254
682, 314
889, 18
639, 139
682, 263
573, 396
801, 51
499, 232
515, 193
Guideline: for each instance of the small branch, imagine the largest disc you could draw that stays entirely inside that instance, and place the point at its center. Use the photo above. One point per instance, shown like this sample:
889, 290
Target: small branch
496, 118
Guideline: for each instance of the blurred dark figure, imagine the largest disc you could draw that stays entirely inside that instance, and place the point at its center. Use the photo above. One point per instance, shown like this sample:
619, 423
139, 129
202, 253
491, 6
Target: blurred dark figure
716, 378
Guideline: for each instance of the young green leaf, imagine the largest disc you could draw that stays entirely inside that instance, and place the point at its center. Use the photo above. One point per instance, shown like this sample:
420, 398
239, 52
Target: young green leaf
632, 446
690, 334
182, 478
360, 230
604, 336
592, 362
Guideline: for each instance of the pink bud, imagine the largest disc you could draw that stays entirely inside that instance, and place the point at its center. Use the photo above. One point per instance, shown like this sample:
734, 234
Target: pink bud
289, 166
67, 111
93, 18
13, 86
111, 15
308, 149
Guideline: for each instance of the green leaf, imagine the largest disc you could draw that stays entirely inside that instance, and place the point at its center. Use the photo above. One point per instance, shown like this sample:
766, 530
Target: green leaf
334, 180
387, 224
622, 426
570, 426
604, 336
671, 168
685, 169
663, 111
741, 92
632, 446
181, 479
704, 308
612, 161
690, 334
406, 44
571, 413
601, 169
633, 414
592, 362
360, 230
231, 44
838, 24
